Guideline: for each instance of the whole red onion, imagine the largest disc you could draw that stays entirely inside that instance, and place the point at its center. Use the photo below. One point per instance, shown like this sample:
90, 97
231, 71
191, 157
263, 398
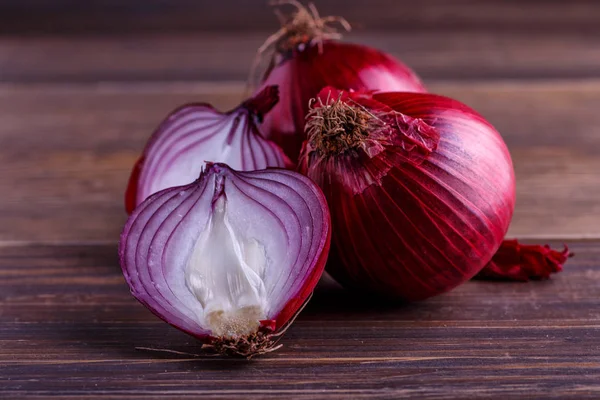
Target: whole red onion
421, 189
307, 58
230, 258
195, 133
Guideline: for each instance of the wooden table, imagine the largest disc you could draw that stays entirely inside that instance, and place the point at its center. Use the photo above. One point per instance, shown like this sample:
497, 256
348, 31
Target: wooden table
76, 107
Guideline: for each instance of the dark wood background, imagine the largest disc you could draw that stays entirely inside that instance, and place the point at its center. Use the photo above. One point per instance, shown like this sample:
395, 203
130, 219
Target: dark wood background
82, 84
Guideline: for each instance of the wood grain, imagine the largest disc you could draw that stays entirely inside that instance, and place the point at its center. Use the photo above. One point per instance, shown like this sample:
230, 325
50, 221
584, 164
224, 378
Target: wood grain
225, 56
67, 151
69, 329
71, 16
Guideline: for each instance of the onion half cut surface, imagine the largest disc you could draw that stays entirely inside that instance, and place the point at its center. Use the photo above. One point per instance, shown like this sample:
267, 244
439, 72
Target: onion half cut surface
198, 133
230, 258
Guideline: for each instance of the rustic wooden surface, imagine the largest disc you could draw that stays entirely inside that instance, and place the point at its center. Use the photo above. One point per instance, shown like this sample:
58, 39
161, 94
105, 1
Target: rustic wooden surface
225, 56
82, 84
117, 16
70, 328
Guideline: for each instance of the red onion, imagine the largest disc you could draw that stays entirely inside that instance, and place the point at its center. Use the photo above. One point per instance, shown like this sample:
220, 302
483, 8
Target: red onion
421, 189
230, 258
195, 133
307, 58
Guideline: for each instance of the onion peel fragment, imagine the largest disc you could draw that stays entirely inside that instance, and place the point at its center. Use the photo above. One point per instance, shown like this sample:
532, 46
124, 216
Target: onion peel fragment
523, 262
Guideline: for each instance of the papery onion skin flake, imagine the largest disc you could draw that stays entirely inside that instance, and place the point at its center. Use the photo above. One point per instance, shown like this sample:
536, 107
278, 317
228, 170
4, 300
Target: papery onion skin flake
230, 258
421, 189
523, 262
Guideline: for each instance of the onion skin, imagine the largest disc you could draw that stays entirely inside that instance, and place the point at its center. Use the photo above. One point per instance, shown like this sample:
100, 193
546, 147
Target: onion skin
307, 69
202, 130
420, 209
157, 231
523, 262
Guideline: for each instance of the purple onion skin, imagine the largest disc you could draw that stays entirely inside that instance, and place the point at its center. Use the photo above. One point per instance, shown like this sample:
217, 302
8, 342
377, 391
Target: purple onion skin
159, 237
418, 210
307, 70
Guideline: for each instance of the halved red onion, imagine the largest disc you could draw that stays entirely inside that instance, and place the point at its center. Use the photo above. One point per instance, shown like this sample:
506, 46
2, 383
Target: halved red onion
421, 189
230, 258
197, 133
307, 58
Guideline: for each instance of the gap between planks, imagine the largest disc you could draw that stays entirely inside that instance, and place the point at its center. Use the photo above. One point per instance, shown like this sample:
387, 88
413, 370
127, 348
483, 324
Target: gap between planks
589, 239
238, 87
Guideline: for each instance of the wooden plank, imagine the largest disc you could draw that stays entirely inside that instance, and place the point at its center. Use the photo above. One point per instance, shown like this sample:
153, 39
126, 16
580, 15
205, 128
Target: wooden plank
69, 329
227, 56
67, 152
71, 16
